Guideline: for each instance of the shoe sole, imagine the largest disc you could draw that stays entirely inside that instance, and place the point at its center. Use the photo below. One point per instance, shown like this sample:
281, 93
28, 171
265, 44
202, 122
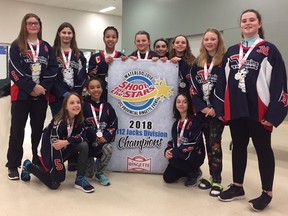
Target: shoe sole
107, 184
14, 178
86, 191
232, 199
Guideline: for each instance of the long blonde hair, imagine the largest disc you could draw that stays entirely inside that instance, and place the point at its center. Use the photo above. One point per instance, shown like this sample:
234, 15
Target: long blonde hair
217, 58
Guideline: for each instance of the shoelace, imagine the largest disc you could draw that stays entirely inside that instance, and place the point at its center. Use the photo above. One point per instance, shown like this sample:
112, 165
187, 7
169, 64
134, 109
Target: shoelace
84, 181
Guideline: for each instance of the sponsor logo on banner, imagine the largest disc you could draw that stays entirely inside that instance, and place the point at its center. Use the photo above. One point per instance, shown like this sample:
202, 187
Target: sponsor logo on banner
139, 164
140, 93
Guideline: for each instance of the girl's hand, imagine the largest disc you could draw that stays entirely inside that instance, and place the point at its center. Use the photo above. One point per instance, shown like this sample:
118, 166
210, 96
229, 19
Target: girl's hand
154, 59
38, 90
266, 123
133, 57
101, 140
211, 112
168, 154
175, 59
124, 58
221, 118
164, 59
59, 144
109, 59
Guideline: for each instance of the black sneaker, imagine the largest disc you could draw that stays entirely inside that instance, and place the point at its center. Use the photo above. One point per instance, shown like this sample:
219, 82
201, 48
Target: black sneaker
13, 174
233, 193
83, 184
261, 202
193, 178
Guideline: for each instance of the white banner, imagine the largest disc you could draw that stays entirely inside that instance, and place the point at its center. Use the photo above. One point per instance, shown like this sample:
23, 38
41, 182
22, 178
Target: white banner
142, 92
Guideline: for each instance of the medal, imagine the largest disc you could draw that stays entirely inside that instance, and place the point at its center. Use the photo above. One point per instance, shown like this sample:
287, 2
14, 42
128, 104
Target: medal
36, 70
99, 133
182, 84
68, 75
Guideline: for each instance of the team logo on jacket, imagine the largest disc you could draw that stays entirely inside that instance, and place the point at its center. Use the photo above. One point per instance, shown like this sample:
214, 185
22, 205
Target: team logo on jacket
140, 93
285, 99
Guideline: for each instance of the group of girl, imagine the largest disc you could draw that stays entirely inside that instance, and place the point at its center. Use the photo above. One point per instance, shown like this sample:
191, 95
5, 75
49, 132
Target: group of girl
42, 74
244, 87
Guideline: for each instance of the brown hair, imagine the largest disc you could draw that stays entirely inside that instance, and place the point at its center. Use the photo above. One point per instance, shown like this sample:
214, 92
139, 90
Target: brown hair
188, 57
258, 15
23, 34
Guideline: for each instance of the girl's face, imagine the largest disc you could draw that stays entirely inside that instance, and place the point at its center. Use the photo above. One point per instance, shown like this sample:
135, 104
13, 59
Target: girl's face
182, 104
95, 90
73, 106
66, 35
142, 43
250, 25
160, 48
32, 26
210, 42
110, 39
180, 45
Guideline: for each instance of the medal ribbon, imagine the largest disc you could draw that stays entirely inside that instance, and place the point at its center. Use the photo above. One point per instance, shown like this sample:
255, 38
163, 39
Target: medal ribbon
180, 135
95, 116
242, 59
68, 59
109, 54
207, 71
35, 53
70, 128
139, 56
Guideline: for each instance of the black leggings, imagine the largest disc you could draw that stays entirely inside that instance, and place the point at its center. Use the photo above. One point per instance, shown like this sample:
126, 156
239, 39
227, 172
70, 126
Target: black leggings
241, 130
177, 169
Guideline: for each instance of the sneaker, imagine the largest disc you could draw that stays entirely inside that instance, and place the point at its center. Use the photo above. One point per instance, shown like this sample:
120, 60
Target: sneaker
25, 174
13, 173
216, 190
205, 184
102, 178
193, 178
83, 184
233, 193
261, 202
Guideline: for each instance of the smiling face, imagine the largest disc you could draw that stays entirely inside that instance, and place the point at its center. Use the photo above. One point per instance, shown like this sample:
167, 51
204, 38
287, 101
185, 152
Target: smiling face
73, 106
110, 39
210, 42
32, 26
66, 35
161, 48
142, 43
180, 45
182, 105
250, 25
95, 90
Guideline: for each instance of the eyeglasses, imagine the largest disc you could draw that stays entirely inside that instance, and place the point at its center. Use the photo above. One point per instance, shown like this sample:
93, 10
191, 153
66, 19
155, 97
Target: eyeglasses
37, 24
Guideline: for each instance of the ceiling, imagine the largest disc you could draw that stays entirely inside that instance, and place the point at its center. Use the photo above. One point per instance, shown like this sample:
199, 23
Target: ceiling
83, 5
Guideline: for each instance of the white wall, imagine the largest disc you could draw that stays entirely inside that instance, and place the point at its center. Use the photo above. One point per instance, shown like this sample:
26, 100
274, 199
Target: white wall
88, 26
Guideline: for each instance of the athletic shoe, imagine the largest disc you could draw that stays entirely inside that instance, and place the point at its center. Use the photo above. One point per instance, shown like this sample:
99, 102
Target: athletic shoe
13, 174
102, 178
216, 190
83, 184
25, 174
261, 202
205, 184
193, 178
233, 193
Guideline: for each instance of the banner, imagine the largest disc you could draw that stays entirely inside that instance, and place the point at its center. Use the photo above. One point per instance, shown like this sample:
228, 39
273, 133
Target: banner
142, 93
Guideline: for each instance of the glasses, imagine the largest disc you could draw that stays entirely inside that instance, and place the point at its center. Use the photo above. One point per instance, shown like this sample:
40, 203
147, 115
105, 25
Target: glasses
30, 24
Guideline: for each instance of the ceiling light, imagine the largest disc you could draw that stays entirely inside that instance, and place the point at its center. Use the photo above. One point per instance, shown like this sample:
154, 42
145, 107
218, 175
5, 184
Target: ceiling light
107, 9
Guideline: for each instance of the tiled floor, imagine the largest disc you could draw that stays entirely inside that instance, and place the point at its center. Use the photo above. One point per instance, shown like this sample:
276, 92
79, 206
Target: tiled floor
139, 194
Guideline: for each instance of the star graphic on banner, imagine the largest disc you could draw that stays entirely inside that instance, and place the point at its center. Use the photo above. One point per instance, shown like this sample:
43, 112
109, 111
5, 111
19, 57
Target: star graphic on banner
163, 89
158, 81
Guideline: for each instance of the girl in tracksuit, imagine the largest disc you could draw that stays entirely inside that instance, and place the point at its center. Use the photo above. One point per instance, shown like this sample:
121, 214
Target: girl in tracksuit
32, 68
65, 135
185, 152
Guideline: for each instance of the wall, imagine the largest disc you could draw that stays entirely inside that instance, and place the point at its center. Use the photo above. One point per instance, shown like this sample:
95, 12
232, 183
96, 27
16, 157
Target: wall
168, 18
88, 26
